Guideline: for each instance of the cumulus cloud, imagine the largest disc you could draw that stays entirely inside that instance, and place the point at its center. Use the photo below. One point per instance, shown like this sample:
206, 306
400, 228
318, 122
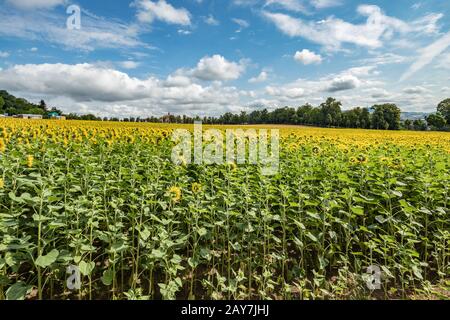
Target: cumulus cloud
218, 68
110, 91
4, 54
415, 90
308, 57
35, 4
262, 77
148, 11
342, 83
290, 93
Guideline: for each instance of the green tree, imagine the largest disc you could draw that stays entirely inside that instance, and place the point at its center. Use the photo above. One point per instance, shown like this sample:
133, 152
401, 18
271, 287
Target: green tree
444, 109
420, 125
436, 120
386, 116
2, 103
331, 112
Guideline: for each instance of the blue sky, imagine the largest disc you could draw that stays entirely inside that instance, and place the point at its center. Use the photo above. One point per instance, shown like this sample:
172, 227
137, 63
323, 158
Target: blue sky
206, 57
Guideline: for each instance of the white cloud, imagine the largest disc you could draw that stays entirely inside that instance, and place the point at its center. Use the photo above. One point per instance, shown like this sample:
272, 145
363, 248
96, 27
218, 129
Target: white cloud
4, 54
148, 11
427, 55
307, 57
290, 93
96, 32
100, 90
333, 32
320, 4
211, 20
34, 49
262, 77
35, 4
415, 90
342, 83
218, 68
243, 24
129, 64
184, 32
292, 5
385, 58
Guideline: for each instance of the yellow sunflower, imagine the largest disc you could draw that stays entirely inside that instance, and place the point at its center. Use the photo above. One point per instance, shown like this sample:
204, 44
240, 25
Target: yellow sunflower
175, 193
30, 160
196, 187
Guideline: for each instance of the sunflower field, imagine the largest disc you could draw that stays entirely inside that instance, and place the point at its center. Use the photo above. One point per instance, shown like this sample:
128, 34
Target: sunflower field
106, 197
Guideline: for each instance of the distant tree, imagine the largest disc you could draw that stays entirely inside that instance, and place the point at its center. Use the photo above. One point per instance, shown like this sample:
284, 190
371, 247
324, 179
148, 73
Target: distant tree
419, 125
2, 103
407, 124
444, 109
436, 120
331, 112
386, 116
43, 105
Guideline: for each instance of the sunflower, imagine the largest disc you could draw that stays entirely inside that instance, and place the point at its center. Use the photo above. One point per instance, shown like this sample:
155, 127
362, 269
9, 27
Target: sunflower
316, 150
232, 165
2, 145
396, 163
196, 187
2, 184
30, 160
174, 193
362, 159
353, 160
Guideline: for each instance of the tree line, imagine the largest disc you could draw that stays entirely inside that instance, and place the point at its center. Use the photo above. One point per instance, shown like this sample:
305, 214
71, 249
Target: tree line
328, 114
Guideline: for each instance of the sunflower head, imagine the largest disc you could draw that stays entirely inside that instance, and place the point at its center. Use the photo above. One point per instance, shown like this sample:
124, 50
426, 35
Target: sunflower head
174, 193
396, 163
30, 160
196, 187
362, 159
2, 184
316, 150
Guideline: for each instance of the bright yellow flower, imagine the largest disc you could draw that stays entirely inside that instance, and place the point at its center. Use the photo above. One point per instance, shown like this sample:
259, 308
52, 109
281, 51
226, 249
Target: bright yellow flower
30, 160
2, 184
175, 193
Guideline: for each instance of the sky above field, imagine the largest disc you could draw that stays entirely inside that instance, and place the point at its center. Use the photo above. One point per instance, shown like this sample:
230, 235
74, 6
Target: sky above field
205, 57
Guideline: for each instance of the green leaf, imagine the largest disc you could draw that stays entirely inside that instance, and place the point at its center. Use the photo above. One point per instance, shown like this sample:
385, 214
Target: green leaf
108, 277
358, 210
86, 268
47, 260
18, 291
312, 237
202, 232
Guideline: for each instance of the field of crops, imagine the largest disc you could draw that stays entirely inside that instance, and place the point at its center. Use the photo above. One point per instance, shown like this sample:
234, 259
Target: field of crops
107, 198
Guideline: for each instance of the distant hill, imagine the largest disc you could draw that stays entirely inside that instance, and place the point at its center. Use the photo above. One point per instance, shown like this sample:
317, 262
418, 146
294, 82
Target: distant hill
414, 115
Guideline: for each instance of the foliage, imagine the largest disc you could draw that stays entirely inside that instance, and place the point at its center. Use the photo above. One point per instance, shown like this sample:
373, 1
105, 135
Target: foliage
106, 198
